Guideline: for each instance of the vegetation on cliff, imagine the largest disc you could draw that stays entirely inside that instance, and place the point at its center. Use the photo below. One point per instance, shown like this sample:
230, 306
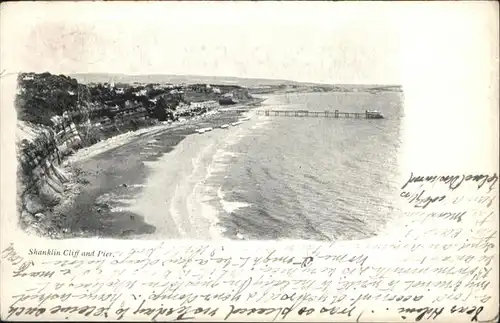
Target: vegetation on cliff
65, 115
43, 96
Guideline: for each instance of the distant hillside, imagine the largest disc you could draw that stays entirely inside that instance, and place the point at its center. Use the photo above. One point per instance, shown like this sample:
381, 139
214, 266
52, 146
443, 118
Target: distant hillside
192, 79
176, 79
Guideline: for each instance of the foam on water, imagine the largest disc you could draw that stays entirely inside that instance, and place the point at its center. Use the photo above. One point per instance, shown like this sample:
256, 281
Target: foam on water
281, 178
207, 200
230, 206
313, 178
175, 212
200, 208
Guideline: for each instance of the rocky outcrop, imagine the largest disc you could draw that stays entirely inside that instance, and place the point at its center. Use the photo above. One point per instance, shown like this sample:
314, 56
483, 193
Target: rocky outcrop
62, 116
42, 182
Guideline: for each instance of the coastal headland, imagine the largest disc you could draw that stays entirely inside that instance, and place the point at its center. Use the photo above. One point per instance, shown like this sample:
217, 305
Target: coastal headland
87, 151
77, 141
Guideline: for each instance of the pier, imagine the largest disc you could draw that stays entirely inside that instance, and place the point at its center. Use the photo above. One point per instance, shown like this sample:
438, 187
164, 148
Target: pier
323, 114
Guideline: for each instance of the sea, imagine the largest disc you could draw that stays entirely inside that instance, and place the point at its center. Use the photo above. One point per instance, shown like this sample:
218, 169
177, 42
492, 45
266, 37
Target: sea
309, 178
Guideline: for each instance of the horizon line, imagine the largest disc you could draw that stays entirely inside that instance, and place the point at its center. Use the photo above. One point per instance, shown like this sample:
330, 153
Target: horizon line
235, 77
216, 76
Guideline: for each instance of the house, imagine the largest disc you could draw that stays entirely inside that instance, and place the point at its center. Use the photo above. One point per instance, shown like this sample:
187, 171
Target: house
141, 92
175, 91
129, 104
204, 105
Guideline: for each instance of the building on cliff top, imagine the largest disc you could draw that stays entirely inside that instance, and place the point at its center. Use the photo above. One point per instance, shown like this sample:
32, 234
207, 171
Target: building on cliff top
209, 105
141, 92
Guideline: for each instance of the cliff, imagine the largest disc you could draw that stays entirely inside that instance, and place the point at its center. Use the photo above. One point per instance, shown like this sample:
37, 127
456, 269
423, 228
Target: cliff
57, 115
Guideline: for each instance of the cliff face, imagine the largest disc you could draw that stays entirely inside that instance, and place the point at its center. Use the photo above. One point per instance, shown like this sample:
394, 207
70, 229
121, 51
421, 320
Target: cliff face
98, 111
41, 183
57, 116
109, 107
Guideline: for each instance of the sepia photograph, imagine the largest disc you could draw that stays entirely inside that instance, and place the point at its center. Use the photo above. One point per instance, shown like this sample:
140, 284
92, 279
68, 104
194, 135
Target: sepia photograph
263, 161
152, 155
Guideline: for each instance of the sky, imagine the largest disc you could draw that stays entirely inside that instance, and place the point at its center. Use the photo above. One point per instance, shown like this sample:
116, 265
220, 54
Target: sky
348, 43
444, 54
303, 42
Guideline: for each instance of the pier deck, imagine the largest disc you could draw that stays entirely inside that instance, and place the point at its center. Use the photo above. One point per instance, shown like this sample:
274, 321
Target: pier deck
318, 114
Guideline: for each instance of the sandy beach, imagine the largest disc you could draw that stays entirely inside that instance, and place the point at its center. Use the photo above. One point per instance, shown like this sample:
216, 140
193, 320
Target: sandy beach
147, 183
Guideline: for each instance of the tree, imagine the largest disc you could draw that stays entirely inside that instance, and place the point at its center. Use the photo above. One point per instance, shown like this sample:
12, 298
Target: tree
160, 110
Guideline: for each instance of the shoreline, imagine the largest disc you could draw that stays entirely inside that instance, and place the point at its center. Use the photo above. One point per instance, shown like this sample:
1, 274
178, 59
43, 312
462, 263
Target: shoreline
181, 199
107, 176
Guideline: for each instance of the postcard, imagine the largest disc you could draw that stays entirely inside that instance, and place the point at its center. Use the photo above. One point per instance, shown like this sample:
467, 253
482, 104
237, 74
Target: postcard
249, 161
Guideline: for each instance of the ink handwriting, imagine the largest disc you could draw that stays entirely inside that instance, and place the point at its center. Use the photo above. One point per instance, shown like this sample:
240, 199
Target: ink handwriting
455, 181
438, 265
